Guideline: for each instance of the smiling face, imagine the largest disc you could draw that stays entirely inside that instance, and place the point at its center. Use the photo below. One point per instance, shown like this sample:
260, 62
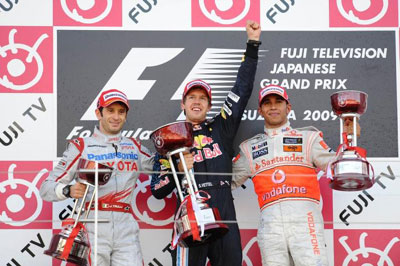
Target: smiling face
196, 104
275, 110
112, 118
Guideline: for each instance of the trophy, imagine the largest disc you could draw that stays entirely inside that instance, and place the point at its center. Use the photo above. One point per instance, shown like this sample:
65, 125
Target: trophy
195, 222
72, 243
350, 170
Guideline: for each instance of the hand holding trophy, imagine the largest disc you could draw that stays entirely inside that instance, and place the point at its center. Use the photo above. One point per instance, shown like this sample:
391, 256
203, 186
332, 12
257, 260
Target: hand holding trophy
350, 170
195, 222
72, 243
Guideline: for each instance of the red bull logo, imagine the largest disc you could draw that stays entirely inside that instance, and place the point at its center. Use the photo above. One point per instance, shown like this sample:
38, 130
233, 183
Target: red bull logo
201, 141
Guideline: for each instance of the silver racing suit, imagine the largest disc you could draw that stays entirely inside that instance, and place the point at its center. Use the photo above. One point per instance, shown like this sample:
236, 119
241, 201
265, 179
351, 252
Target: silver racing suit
118, 240
282, 164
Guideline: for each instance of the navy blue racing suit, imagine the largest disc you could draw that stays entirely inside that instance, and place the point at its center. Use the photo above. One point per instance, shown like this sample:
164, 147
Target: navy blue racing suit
213, 154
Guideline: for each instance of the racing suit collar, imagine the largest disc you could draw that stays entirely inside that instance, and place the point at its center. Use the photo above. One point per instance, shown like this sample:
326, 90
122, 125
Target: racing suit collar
276, 131
97, 134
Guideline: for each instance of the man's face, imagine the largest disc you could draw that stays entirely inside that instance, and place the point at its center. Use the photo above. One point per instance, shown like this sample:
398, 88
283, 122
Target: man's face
196, 105
112, 118
274, 109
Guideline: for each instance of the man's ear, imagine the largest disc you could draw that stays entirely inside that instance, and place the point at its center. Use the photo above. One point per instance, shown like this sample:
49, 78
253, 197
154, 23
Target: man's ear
288, 108
98, 114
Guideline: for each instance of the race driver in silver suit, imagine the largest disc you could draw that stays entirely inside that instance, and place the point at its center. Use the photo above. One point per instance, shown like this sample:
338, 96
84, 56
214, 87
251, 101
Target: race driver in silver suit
118, 240
282, 163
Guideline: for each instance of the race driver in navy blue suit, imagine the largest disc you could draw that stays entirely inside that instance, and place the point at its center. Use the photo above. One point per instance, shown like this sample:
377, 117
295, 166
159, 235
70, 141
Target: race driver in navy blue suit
212, 154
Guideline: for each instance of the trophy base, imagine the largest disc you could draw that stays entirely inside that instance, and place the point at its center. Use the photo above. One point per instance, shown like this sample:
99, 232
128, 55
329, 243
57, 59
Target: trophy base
351, 182
213, 229
211, 233
78, 254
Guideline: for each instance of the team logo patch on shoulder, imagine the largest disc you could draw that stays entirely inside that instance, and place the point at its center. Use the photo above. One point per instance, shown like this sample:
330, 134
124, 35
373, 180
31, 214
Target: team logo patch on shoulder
292, 140
164, 164
62, 164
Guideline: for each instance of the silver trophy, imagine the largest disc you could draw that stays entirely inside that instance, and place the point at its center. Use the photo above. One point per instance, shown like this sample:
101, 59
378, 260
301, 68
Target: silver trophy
350, 169
72, 243
195, 222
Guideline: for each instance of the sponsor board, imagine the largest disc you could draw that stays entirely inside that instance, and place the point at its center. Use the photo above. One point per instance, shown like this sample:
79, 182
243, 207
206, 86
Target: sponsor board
372, 208
21, 204
87, 13
290, 14
26, 59
225, 13
25, 247
381, 13
366, 247
28, 130
154, 77
26, 13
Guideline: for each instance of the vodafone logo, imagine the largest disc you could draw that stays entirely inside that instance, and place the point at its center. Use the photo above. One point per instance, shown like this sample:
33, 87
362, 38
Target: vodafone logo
20, 201
229, 13
26, 59
88, 12
380, 13
278, 177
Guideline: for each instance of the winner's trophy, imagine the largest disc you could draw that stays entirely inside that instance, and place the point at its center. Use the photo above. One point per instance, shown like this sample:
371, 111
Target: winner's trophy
195, 222
350, 171
72, 243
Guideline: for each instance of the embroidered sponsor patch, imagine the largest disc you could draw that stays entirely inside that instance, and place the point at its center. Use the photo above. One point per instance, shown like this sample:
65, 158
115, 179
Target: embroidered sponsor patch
234, 97
260, 152
227, 110
62, 164
292, 140
292, 148
259, 145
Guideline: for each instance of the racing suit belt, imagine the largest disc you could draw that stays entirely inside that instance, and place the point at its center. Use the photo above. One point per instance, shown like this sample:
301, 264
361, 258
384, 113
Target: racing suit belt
113, 206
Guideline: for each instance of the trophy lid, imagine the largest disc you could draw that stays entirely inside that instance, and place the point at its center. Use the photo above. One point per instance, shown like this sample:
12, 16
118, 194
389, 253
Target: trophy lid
172, 136
349, 101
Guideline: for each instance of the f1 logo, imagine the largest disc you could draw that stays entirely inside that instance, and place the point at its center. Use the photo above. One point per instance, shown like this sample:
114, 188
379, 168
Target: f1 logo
87, 13
363, 13
226, 13
26, 59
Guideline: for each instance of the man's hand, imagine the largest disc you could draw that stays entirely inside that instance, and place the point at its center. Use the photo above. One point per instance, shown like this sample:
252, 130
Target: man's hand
348, 126
189, 159
77, 190
253, 30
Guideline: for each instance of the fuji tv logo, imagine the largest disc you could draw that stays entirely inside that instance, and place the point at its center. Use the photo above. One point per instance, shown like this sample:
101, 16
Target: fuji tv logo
21, 64
87, 6
355, 12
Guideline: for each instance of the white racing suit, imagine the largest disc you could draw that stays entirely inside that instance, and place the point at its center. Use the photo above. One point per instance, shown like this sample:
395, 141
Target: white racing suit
118, 240
282, 165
